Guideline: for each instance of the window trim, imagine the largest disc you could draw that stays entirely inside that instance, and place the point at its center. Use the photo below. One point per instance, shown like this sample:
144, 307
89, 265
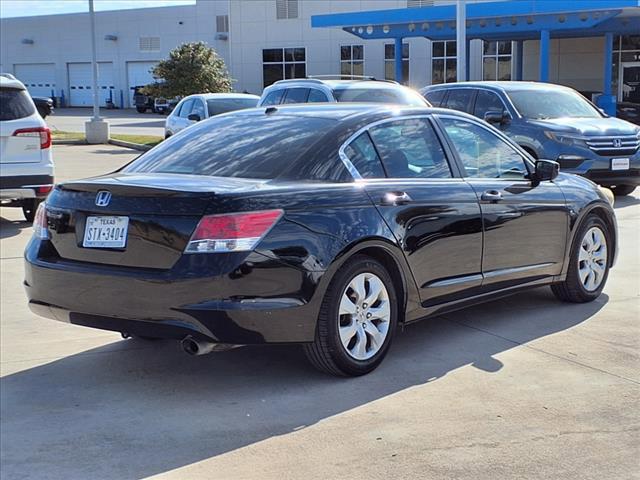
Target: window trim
497, 56
284, 62
452, 161
351, 60
445, 59
529, 164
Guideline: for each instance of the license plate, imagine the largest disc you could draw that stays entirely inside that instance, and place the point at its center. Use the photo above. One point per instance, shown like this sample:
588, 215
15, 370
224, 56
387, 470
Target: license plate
619, 164
106, 232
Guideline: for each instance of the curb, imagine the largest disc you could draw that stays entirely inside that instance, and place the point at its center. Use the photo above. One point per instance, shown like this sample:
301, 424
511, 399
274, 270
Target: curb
134, 146
69, 142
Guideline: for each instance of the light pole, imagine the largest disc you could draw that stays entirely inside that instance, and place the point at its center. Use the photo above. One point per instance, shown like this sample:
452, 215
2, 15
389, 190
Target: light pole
461, 41
96, 129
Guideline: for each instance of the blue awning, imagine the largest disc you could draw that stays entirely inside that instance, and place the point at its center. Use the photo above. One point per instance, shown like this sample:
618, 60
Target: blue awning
510, 20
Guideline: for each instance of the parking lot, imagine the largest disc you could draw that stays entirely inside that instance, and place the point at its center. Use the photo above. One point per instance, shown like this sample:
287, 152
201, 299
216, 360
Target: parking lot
523, 387
126, 121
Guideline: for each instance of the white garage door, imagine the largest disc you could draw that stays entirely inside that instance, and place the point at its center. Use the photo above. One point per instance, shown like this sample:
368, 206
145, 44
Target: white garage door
39, 78
138, 74
80, 82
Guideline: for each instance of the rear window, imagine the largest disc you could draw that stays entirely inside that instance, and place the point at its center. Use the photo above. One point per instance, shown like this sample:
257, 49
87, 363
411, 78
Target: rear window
399, 96
15, 104
246, 146
224, 105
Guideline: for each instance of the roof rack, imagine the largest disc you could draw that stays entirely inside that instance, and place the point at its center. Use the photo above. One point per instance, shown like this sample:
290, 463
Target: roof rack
289, 80
350, 77
8, 76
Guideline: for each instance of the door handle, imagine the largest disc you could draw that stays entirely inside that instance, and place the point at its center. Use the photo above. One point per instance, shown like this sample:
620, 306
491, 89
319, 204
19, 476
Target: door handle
491, 196
395, 198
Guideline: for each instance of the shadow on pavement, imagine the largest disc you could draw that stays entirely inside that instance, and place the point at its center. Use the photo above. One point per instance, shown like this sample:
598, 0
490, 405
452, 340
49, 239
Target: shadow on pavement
625, 201
159, 123
159, 409
11, 228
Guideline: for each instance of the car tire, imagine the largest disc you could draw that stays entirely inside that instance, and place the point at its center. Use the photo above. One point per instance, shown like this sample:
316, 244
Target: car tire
29, 208
621, 190
141, 109
335, 331
589, 263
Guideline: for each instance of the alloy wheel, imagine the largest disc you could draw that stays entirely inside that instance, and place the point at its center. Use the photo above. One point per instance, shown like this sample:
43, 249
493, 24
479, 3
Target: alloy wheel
592, 259
364, 316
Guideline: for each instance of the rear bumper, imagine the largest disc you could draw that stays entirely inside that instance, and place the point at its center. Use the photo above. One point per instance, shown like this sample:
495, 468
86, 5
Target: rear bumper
23, 186
260, 301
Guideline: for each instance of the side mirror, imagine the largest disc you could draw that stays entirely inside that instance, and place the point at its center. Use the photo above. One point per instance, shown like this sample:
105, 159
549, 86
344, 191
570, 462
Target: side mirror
496, 116
194, 117
546, 170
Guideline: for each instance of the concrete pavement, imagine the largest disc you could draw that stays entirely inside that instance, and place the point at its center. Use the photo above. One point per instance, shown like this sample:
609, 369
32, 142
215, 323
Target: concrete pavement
524, 387
126, 121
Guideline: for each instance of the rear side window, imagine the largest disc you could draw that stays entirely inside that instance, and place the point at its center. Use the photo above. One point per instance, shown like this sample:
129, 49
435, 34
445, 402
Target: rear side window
274, 98
410, 149
362, 154
435, 97
15, 104
296, 95
223, 105
380, 95
487, 101
240, 145
460, 99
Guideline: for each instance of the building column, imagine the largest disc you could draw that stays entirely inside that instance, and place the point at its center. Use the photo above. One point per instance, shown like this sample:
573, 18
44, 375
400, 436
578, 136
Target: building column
608, 62
467, 67
398, 60
545, 41
519, 59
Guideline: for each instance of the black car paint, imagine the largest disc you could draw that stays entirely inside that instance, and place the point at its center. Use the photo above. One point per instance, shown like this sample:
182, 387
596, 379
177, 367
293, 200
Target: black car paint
433, 247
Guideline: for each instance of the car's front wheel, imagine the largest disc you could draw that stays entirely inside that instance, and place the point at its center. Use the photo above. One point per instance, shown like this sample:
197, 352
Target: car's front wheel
357, 319
621, 190
589, 263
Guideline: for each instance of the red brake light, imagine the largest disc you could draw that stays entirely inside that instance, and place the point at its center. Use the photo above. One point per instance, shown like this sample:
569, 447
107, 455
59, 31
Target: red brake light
40, 229
43, 132
43, 190
235, 232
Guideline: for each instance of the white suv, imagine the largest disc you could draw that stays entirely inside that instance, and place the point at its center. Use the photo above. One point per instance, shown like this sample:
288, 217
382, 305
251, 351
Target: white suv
26, 165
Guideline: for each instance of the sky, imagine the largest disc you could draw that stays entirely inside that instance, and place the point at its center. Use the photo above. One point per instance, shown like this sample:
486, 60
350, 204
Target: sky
24, 8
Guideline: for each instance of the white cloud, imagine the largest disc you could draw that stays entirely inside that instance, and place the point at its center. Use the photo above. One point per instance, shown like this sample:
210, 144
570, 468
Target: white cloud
24, 8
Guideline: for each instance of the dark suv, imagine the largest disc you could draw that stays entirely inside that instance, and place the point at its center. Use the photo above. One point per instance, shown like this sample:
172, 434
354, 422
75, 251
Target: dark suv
328, 88
553, 122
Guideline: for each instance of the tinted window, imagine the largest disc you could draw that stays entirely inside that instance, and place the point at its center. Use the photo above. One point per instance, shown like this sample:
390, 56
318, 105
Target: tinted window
435, 97
483, 153
459, 99
223, 105
15, 104
486, 101
296, 95
379, 95
363, 156
410, 148
240, 145
317, 96
185, 110
552, 103
198, 109
274, 98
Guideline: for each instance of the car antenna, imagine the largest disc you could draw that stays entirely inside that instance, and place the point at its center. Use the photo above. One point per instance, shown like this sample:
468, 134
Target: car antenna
270, 110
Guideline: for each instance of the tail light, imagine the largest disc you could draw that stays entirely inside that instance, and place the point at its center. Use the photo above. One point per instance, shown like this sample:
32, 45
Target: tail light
235, 232
43, 132
40, 229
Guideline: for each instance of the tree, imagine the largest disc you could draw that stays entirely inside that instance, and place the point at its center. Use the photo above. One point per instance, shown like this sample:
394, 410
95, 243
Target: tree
191, 68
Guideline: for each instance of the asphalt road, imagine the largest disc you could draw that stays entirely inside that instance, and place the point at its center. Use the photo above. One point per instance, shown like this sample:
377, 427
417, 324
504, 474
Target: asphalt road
126, 121
521, 388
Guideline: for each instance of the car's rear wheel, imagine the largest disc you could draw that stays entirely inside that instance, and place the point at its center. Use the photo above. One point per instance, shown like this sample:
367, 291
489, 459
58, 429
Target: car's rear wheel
589, 264
357, 319
141, 109
621, 190
29, 208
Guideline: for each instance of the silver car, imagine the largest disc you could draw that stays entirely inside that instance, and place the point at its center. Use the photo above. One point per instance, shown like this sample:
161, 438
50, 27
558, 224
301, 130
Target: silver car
200, 106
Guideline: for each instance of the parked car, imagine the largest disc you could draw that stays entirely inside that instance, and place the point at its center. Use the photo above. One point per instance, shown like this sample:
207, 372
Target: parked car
325, 225
198, 107
322, 89
141, 101
553, 122
44, 105
26, 165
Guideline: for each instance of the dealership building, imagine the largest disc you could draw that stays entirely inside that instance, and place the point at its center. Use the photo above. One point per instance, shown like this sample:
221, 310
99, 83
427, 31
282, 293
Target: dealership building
591, 45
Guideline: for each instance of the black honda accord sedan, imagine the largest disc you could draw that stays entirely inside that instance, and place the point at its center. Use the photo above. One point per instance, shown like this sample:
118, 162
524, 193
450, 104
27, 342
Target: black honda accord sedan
324, 225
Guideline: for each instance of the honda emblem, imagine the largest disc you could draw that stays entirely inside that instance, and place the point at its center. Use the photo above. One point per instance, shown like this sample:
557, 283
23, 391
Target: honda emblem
617, 142
103, 198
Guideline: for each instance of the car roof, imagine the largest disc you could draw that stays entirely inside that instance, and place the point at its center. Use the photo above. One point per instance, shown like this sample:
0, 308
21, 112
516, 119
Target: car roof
505, 86
209, 96
337, 83
9, 81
